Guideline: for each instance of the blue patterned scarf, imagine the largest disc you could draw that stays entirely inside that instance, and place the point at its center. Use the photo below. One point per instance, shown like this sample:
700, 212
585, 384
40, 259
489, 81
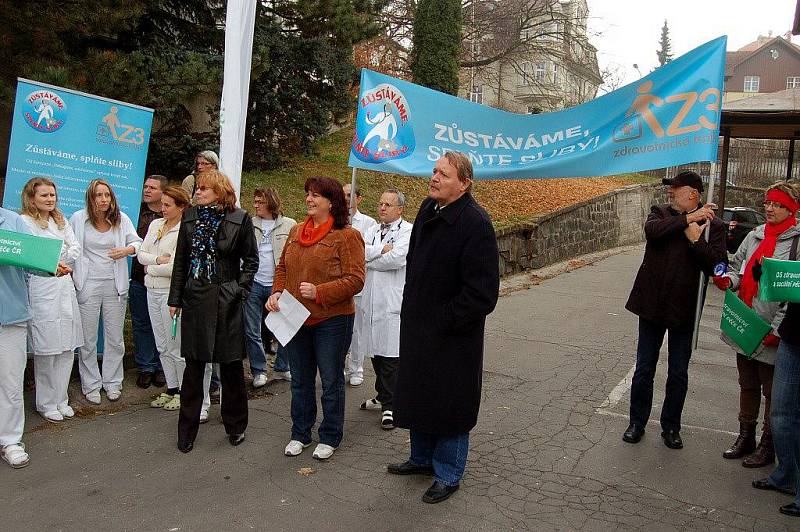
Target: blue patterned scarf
203, 257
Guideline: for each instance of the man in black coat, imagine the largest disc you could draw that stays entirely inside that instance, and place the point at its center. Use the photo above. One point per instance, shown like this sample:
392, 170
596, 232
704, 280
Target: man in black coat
452, 284
664, 296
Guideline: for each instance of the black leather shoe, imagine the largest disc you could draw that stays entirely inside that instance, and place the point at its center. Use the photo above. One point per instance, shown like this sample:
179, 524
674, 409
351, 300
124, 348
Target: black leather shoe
790, 509
236, 439
409, 468
185, 446
672, 439
144, 380
763, 484
633, 433
438, 492
159, 379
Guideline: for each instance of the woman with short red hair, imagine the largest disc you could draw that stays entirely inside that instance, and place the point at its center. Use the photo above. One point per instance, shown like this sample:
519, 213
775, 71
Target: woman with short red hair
215, 261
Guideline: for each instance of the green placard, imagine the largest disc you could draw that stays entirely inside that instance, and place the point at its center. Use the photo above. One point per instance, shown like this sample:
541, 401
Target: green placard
742, 325
780, 280
28, 251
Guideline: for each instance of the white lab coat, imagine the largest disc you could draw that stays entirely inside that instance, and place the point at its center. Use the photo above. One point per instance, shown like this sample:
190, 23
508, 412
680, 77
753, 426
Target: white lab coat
56, 323
376, 331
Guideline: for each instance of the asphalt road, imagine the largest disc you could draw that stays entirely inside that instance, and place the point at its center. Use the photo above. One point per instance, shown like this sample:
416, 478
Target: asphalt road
546, 454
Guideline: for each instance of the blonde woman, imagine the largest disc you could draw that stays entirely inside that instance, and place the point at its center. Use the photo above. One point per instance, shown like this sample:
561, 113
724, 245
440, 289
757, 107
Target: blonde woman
157, 255
55, 329
107, 237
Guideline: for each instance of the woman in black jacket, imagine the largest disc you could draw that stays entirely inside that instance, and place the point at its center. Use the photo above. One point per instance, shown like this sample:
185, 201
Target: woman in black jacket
215, 261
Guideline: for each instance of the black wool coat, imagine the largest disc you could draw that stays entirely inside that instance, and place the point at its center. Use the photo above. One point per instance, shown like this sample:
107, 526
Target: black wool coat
212, 313
665, 289
452, 284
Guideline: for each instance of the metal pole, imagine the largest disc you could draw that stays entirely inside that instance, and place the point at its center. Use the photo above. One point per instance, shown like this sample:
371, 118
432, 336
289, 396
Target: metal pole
352, 196
699, 307
723, 171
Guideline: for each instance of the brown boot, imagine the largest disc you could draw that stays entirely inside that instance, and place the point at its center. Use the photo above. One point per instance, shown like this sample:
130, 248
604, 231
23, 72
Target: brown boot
764, 455
745, 442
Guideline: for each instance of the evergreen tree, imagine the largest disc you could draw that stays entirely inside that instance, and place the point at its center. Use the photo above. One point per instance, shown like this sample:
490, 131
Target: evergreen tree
665, 53
436, 44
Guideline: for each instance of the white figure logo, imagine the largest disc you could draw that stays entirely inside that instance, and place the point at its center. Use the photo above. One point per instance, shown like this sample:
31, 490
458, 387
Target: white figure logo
385, 128
45, 110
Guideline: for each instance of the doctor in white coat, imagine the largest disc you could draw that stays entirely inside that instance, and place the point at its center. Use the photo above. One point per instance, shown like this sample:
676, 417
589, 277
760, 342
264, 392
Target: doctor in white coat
55, 328
376, 331
354, 369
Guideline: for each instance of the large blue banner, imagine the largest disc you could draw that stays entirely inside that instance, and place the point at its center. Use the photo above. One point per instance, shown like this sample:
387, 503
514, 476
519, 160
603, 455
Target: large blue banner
72, 138
668, 117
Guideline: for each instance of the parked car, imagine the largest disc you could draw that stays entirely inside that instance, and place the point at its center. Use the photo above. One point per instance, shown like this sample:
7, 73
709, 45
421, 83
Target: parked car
738, 222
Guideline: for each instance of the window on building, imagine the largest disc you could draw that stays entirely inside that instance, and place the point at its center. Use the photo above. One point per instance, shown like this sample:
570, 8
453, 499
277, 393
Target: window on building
525, 73
534, 110
476, 94
793, 82
556, 74
751, 83
539, 70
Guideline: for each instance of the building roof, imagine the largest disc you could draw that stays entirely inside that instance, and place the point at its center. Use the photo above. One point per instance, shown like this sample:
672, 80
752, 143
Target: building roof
736, 58
773, 115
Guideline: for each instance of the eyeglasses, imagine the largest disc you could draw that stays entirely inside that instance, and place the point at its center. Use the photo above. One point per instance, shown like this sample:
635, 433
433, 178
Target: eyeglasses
773, 204
387, 205
259, 202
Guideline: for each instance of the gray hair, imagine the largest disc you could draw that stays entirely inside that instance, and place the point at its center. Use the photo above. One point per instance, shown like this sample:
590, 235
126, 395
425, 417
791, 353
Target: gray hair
210, 156
401, 198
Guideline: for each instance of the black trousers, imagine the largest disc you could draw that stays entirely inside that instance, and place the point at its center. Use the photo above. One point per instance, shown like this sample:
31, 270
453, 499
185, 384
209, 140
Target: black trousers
385, 378
233, 402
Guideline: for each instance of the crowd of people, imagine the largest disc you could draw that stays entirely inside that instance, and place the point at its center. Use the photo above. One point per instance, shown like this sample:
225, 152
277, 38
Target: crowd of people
413, 298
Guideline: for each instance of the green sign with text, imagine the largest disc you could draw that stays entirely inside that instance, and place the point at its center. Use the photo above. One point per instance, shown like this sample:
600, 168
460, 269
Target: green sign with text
28, 251
780, 280
742, 325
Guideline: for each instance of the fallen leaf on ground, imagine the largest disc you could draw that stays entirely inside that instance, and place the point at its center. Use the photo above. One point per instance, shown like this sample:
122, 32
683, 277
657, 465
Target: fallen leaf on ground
306, 471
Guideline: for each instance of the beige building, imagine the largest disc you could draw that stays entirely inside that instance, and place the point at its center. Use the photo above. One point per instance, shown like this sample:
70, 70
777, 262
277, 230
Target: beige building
554, 67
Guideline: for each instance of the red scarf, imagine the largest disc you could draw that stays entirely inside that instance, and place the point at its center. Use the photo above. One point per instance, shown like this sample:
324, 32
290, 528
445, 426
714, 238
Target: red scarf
749, 286
310, 235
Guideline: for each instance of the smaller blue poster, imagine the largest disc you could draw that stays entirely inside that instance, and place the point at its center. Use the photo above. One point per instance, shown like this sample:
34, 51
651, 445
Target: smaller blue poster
73, 137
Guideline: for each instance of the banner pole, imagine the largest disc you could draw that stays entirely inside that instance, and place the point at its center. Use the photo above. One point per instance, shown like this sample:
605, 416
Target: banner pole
699, 306
352, 196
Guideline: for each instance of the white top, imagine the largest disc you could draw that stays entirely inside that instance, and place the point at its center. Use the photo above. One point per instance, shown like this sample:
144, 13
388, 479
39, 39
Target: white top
157, 243
266, 259
96, 248
362, 223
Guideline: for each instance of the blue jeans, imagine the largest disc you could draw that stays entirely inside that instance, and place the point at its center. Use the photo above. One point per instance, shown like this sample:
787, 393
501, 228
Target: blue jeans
253, 313
679, 346
447, 454
322, 346
145, 353
785, 414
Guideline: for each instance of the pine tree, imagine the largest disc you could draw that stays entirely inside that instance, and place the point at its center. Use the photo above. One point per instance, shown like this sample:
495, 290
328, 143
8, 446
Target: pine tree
665, 53
436, 44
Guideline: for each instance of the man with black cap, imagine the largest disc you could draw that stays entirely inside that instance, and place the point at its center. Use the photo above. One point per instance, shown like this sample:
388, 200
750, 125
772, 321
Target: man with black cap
664, 296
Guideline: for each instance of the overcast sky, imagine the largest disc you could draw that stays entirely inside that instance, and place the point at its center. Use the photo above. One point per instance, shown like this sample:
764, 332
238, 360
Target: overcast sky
628, 31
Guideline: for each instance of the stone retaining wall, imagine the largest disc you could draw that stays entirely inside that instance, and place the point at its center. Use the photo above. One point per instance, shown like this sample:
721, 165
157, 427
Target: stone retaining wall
604, 222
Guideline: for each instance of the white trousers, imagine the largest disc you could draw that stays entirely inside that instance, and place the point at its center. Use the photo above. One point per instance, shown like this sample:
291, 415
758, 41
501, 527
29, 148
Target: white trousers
52, 380
169, 348
101, 297
12, 375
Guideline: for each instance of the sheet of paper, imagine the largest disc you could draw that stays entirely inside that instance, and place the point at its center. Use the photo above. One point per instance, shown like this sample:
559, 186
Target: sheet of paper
285, 323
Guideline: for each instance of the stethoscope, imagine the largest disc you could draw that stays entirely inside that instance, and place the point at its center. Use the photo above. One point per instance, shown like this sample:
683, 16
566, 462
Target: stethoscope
390, 232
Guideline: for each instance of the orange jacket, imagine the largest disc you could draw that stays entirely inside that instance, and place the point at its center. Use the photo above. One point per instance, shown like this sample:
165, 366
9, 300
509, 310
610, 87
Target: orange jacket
335, 265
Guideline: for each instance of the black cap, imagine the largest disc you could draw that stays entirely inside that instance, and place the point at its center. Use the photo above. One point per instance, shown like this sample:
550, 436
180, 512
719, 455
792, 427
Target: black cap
685, 179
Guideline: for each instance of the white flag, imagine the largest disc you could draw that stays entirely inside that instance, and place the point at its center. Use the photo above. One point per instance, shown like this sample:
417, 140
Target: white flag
239, 27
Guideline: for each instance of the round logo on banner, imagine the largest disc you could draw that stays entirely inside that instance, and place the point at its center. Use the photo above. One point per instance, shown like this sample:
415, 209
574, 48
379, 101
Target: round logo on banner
383, 129
45, 111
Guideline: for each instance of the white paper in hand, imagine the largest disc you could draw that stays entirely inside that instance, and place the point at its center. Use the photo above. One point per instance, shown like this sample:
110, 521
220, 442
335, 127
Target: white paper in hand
285, 323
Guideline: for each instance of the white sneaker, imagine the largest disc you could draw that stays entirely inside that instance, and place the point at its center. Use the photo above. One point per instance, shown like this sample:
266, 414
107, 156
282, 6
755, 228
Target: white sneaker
15, 455
294, 448
259, 380
282, 375
53, 416
204, 416
370, 404
94, 396
66, 411
355, 380
113, 395
323, 451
